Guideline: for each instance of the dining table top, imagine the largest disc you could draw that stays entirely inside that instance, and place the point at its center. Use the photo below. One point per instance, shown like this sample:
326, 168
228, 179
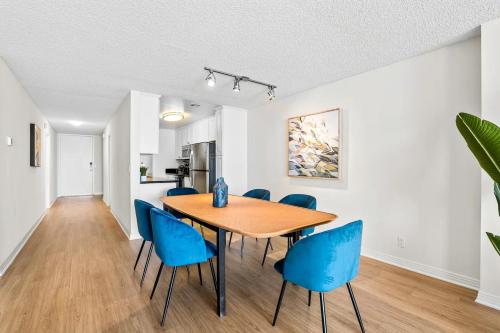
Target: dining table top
248, 216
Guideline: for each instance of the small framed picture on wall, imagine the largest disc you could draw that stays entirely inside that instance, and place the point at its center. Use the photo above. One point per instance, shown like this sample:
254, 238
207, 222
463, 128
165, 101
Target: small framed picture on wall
35, 145
314, 145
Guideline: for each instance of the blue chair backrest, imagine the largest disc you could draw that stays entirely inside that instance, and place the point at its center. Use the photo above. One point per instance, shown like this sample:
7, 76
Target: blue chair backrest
258, 193
142, 209
181, 191
325, 261
176, 243
300, 200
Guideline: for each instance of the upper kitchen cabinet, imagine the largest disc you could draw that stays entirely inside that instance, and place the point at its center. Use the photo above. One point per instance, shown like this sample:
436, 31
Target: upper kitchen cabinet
146, 115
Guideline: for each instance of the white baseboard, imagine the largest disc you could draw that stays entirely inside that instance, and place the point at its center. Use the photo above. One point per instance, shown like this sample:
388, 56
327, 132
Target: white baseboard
124, 229
99, 193
435, 272
487, 299
10, 259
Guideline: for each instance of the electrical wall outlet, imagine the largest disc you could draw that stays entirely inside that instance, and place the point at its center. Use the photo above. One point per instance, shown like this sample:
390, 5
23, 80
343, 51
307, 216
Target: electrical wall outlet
9, 141
401, 242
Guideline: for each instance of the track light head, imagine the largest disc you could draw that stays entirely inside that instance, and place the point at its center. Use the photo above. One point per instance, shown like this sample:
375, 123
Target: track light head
210, 78
270, 93
236, 86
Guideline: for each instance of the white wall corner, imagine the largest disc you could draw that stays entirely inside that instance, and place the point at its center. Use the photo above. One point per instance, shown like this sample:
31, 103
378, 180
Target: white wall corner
435, 272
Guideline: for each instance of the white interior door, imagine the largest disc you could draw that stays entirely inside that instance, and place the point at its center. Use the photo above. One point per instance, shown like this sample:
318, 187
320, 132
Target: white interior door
75, 172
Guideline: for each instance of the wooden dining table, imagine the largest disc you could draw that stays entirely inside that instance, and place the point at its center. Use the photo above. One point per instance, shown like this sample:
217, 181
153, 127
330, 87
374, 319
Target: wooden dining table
246, 216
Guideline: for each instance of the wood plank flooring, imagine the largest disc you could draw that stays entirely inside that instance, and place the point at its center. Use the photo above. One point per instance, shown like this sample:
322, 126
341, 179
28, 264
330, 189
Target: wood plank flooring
75, 275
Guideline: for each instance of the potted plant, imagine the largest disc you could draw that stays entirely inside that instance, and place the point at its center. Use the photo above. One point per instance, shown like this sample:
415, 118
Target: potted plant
144, 170
483, 139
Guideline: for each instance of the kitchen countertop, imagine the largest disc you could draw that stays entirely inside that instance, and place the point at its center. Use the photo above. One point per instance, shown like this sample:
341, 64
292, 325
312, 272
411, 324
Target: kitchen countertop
167, 179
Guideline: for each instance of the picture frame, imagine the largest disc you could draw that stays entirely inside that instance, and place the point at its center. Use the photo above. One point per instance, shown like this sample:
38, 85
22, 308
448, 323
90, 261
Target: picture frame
35, 145
315, 145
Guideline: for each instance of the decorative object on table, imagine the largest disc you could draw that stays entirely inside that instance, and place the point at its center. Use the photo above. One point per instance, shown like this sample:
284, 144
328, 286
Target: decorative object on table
220, 193
35, 145
144, 170
483, 139
314, 145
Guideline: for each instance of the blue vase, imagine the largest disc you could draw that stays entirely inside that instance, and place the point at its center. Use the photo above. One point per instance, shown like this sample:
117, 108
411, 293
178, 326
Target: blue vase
220, 193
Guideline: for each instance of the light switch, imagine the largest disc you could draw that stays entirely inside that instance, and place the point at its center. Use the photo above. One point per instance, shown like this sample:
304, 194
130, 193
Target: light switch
9, 141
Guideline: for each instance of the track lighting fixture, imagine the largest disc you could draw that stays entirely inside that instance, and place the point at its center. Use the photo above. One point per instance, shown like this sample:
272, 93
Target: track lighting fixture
237, 80
210, 78
236, 86
270, 93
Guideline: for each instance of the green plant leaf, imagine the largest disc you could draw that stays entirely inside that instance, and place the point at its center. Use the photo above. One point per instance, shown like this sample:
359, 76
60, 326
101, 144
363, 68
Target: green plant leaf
483, 139
496, 189
495, 241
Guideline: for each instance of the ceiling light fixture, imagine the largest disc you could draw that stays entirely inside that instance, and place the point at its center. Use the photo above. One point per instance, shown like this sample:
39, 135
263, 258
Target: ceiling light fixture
210, 78
270, 93
237, 79
76, 123
172, 115
236, 86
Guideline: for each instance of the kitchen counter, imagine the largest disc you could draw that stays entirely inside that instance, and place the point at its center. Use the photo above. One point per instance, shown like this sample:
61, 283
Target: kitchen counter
179, 179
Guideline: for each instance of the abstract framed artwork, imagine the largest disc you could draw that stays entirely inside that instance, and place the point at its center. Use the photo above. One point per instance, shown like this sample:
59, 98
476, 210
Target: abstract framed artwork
314, 145
35, 145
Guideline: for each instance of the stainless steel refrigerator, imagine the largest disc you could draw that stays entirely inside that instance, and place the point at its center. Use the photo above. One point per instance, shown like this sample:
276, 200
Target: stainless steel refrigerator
202, 166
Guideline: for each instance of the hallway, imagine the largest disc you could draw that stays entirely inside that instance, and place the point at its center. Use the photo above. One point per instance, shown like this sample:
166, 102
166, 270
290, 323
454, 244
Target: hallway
75, 275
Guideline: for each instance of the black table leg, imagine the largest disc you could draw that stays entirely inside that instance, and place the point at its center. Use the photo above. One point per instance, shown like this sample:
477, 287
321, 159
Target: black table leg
221, 272
296, 237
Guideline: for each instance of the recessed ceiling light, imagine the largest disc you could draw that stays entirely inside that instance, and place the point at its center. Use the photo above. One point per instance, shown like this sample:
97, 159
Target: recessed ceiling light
76, 123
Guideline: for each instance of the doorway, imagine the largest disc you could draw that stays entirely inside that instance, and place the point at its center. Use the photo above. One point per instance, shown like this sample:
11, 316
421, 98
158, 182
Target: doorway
75, 167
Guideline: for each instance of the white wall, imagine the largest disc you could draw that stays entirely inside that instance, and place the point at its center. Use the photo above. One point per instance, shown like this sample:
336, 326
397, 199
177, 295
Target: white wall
408, 172
23, 189
97, 141
117, 131
166, 155
489, 293
233, 132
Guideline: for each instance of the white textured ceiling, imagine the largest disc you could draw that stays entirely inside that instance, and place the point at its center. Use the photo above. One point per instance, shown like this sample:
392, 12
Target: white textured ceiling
78, 59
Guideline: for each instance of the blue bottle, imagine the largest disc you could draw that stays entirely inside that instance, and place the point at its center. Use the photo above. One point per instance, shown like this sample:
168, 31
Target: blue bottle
220, 193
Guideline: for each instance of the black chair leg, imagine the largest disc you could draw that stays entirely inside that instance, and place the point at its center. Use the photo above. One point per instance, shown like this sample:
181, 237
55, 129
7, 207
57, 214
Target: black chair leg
139, 254
309, 298
265, 252
323, 312
283, 286
213, 274
147, 263
289, 244
230, 239
271, 244
169, 295
202, 232
199, 274
156, 281
242, 245
355, 305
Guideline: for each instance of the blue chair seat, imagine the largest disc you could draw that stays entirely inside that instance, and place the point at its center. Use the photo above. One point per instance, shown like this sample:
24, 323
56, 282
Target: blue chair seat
211, 249
278, 265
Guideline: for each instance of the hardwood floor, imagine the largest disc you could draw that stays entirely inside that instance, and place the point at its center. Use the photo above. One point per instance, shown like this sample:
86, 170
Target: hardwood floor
75, 275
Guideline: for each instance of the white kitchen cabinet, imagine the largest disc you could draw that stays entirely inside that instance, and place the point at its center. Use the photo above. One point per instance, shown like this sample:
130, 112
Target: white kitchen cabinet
212, 129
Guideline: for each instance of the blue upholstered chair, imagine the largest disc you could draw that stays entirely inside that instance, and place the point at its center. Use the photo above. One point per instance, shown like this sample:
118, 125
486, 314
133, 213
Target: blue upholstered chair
257, 193
182, 191
299, 200
323, 262
142, 209
178, 244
